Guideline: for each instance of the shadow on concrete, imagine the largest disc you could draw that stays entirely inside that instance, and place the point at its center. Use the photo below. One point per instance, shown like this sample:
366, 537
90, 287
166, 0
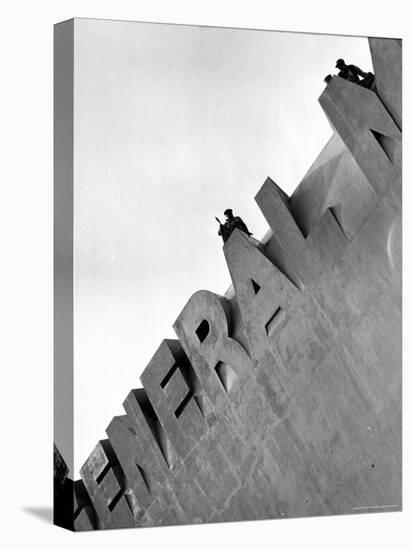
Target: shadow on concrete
41, 512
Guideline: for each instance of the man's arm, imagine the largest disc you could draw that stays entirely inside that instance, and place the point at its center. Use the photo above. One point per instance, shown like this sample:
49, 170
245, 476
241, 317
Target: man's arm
241, 225
358, 71
224, 231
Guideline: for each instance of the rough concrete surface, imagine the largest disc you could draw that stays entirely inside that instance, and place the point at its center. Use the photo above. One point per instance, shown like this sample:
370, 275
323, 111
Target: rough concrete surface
282, 398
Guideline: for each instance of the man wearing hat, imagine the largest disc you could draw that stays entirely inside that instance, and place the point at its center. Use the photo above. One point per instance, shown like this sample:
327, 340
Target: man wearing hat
232, 222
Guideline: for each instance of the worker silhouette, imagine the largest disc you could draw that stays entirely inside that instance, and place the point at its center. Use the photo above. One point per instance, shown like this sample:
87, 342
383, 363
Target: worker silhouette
353, 74
232, 222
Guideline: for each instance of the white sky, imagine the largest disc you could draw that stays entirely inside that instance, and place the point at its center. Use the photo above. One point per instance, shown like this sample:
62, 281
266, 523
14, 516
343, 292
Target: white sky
174, 124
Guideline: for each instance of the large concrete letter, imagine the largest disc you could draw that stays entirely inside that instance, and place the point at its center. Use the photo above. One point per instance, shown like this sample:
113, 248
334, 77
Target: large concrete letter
137, 462
170, 383
262, 291
288, 246
145, 422
387, 64
84, 514
367, 129
105, 483
202, 328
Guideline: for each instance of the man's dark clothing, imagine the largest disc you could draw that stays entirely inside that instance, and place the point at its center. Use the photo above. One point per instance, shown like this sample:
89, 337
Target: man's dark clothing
368, 82
352, 73
230, 225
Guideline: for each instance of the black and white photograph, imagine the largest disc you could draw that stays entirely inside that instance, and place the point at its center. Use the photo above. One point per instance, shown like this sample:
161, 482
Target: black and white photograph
235, 299
206, 264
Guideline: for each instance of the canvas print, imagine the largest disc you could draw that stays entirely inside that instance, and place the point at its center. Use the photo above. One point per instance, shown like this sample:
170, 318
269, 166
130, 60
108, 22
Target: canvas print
227, 274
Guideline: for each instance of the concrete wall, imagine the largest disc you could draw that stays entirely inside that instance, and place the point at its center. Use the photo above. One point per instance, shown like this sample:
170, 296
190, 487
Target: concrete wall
283, 397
